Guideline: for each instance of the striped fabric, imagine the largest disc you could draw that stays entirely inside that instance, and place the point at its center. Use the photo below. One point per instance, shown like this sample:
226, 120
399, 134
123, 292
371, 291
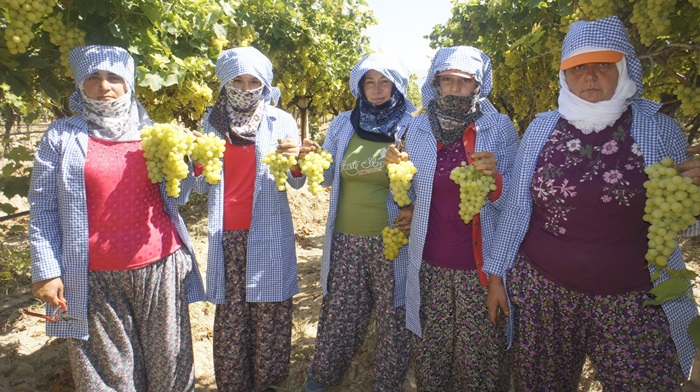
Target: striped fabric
247, 60
657, 135
494, 132
58, 228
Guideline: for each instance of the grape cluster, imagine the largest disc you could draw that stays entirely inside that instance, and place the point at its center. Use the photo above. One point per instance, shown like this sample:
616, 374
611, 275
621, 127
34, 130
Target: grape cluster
400, 176
313, 165
598, 9
279, 166
165, 147
652, 18
208, 149
393, 239
690, 99
22, 15
65, 37
672, 204
474, 186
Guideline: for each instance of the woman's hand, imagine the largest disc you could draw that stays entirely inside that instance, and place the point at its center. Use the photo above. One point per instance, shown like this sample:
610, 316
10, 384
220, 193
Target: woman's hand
496, 301
307, 146
691, 167
485, 163
403, 221
288, 147
49, 290
393, 155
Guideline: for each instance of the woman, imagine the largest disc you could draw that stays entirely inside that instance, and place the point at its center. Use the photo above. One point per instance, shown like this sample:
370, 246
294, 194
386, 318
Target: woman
455, 346
573, 234
106, 243
251, 271
354, 274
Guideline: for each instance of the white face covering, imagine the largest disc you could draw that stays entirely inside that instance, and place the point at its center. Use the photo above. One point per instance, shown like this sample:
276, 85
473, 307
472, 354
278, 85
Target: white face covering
115, 120
594, 117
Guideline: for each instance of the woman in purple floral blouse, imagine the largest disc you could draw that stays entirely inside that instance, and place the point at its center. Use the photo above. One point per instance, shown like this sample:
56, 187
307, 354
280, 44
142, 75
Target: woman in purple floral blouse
571, 240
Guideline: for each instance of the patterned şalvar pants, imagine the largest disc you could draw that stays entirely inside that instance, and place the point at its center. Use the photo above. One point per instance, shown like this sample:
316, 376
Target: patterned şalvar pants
252, 340
139, 324
628, 342
460, 349
360, 278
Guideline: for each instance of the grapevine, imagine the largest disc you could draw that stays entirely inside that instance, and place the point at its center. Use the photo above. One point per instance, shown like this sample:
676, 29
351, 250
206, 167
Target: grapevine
393, 239
313, 165
400, 176
690, 99
208, 150
65, 37
279, 166
474, 186
672, 204
165, 147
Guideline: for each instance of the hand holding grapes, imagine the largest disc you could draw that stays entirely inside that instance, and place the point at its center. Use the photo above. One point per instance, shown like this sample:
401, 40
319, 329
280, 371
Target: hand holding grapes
393, 155
485, 163
307, 146
403, 220
691, 167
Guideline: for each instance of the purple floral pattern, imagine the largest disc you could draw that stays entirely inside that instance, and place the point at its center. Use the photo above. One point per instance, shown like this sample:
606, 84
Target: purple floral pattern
569, 159
628, 342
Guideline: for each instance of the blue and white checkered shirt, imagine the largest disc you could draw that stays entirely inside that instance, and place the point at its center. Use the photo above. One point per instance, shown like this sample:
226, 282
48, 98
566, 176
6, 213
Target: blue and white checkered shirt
271, 269
58, 225
658, 136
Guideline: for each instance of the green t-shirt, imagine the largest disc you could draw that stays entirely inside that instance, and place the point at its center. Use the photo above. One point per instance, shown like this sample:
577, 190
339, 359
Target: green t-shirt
364, 187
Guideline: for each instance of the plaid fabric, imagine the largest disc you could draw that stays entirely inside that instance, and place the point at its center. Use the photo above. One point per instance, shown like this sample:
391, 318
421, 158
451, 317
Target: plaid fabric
86, 60
58, 228
658, 136
605, 34
271, 272
463, 58
390, 66
248, 60
337, 138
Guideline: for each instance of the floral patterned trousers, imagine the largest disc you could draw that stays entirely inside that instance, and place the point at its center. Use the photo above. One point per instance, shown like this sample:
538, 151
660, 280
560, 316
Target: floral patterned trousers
139, 324
628, 342
460, 349
252, 340
360, 278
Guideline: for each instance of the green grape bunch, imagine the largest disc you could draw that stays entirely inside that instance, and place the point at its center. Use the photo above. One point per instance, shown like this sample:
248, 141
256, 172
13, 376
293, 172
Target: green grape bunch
21, 16
165, 147
393, 239
313, 165
279, 166
208, 150
672, 204
400, 176
474, 186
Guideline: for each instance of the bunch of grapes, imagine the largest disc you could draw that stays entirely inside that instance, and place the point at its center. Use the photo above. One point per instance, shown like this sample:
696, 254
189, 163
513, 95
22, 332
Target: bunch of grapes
393, 239
400, 176
474, 186
279, 166
195, 94
652, 18
165, 147
208, 150
672, 204
313, 165
690, 99
22, 15
598, 9
65, 37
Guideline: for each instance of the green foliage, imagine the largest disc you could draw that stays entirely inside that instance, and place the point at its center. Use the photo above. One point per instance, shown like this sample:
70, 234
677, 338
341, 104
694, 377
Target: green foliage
523, 39
414, 94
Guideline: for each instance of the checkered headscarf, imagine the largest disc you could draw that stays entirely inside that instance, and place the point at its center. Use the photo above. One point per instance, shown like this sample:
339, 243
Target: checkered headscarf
247, 60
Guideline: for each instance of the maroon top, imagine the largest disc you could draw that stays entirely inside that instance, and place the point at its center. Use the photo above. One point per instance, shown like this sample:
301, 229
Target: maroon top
586, 231
448, 243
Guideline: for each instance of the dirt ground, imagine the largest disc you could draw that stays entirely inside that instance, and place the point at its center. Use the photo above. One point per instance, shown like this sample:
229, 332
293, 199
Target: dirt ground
29, 361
